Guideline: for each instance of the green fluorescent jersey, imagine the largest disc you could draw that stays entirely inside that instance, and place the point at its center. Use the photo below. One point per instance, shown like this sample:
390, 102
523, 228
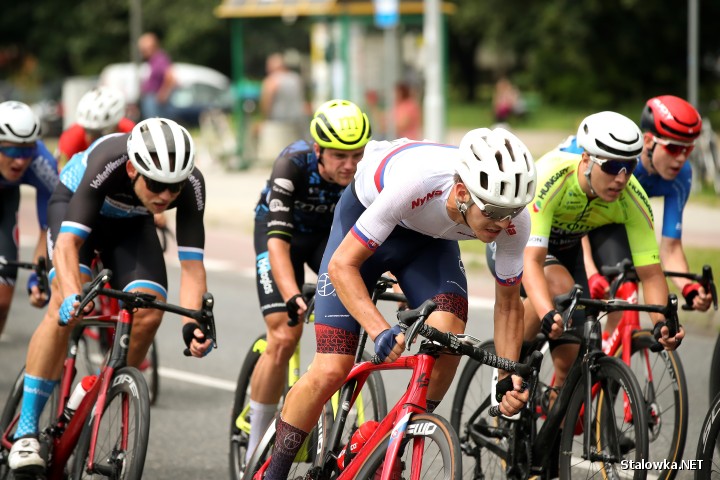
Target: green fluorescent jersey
561, 212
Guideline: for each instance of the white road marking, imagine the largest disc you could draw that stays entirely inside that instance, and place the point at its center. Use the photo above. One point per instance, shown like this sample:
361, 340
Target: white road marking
203, 380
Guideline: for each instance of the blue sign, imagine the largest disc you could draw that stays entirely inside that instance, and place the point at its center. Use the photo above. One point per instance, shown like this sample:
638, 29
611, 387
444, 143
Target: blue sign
387, 14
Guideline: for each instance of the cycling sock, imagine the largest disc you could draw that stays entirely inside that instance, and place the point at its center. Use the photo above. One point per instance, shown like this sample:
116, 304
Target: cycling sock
36, 392
288, 440
261, 415
432, 405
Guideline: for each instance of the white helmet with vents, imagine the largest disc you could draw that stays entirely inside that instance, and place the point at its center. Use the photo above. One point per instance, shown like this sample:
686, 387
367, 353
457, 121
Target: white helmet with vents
161, 150
18, 123
610, 135
497, 168
101, 108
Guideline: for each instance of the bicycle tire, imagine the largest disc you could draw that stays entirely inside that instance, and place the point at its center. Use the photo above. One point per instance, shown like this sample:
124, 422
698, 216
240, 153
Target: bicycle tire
239, 437
432, 430
151, 372
670, 408
715, 372
12, 409
128, 392
708, 448
615, 380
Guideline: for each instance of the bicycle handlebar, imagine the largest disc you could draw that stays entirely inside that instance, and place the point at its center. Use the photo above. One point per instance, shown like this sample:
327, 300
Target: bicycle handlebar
40, 268
625, 267
567, 303
134, 300
412, 323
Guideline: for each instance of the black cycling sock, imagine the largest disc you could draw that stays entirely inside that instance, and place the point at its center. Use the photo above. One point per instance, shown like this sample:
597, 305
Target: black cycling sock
288, 440
432, 405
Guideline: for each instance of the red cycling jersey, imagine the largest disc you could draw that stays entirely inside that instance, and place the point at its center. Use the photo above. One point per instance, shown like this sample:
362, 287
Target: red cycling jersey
73, 139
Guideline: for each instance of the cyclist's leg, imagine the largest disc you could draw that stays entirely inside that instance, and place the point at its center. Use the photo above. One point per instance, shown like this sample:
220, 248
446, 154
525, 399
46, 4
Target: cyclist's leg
46, 351
134, 254
9, 203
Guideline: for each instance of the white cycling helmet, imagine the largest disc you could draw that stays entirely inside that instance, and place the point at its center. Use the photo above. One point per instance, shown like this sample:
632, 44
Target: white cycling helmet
18, 123
610, 135
497, 168
101, 108
161, 150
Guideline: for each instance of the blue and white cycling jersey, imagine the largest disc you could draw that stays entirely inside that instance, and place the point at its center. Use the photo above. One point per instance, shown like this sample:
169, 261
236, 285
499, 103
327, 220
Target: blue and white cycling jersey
42, 175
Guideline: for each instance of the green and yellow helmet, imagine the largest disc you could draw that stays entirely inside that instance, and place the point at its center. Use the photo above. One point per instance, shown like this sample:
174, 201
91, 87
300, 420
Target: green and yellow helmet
340, 124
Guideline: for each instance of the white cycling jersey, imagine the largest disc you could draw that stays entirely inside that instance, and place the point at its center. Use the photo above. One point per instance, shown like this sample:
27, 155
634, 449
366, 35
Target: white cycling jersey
408, 183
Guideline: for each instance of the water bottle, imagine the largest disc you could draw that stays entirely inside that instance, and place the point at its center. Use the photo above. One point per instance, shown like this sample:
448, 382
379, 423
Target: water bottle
358, 439
77, 395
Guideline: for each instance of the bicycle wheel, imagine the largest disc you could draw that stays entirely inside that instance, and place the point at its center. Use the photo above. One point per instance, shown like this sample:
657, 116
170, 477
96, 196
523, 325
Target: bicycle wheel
715, 371
486, 441
432, 451
149, 369
307, 457
240, 415
123, 433
619, 429
11, 411
662, 380
708, 449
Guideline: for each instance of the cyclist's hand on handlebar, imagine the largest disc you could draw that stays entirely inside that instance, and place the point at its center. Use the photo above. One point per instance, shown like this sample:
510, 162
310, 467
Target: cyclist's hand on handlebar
389, 344
198, 345
68, 306
514, 400
696, 296
296, 307
599, 286
38, 299
551, 324
662, 334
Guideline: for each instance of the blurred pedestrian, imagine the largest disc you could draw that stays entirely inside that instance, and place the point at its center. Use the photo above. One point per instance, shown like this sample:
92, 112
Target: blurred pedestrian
155, 90
407, 113
506, 100
282, 96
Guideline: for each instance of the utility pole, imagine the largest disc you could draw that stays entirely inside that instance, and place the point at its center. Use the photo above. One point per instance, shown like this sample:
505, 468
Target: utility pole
693, 65
434, 104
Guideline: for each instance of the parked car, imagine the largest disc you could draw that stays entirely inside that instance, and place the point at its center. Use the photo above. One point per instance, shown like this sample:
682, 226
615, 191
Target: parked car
199, 88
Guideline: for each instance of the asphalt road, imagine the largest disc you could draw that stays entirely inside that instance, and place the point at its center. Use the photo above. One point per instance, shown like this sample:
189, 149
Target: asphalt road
189, 424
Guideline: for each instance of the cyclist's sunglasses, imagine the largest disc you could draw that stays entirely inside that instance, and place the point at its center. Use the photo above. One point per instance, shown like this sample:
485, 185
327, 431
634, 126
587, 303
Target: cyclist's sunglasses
674, 148
19, 152
158, 187
615, 167
496, 212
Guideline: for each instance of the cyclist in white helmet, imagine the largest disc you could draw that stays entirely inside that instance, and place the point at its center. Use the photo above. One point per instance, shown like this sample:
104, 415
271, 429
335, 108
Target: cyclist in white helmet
586, 183
24, 159
104, 202
404, 212
100, 111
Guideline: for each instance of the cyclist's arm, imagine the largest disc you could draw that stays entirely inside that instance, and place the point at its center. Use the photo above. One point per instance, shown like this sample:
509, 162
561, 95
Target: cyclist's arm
66, 260
534, 280
674, 260
508, 321
590, 267
344, 271
282, 268
655, 291
193, 285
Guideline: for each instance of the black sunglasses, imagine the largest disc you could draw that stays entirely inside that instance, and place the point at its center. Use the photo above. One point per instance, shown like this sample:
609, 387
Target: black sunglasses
614, 167
158, 187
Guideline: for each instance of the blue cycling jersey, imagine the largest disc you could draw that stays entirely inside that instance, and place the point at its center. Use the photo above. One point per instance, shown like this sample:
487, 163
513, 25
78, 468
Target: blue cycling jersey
675, 192
42, 175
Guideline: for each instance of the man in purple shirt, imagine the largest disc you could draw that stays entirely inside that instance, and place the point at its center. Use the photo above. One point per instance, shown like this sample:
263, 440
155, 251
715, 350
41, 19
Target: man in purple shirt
157, 87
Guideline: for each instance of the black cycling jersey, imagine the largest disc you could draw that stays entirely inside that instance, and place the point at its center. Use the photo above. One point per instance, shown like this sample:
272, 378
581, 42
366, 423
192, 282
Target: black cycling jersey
296, 198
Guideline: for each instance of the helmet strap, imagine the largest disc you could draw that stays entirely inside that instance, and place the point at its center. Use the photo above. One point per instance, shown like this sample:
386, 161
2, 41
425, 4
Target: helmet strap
589, 177
463, 208
650, 152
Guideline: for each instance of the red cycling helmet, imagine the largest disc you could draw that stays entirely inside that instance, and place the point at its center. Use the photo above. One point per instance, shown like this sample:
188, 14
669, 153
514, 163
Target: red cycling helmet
671, 117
